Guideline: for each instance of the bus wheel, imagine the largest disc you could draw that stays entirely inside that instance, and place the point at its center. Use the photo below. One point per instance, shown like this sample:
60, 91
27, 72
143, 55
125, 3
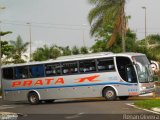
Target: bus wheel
109, 94
123, 97
33, 98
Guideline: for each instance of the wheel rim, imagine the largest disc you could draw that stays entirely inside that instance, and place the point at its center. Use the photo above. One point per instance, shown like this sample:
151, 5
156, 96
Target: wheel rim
109, 94
33, 98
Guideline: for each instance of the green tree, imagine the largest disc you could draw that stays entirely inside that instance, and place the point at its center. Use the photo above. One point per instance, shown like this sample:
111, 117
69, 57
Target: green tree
5, 48
19, 50
75, 50
55, 51
99, 46
105, 13
153, 47
131, 46
66, 51
5, 33
46, 53
84, 50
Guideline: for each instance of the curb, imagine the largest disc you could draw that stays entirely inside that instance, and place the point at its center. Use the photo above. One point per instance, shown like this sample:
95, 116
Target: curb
156, 109
152, 110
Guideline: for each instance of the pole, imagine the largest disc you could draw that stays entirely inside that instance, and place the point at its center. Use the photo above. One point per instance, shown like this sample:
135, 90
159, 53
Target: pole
84, 45
1, 7
30, 42
145, 18
0, 43
145, 23
1, 86
146, 28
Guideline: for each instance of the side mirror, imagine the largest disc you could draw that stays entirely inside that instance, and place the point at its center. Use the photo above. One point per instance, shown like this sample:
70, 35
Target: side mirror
154, 65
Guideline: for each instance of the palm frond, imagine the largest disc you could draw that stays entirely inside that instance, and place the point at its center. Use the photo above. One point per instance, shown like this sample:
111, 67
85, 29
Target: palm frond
95, 13
96, 25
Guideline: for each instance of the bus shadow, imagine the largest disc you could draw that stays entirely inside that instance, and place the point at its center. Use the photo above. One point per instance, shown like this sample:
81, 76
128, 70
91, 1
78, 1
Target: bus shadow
89, 100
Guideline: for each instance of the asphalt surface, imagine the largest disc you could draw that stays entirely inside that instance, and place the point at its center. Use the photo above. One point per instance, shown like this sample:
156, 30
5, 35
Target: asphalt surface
88, 109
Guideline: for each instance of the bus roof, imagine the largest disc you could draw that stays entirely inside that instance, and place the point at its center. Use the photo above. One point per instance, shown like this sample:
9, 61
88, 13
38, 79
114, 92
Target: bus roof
76, 57
130, 54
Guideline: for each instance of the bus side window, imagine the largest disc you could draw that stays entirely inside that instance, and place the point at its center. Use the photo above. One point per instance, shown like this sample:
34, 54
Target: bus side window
21, 72
69, 68
36, 71
7, 73
52, 69
105, 64
87, 66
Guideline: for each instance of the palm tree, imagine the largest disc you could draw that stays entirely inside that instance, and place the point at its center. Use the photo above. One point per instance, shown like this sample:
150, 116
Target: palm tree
84, 50
108, 12
42, 53
19, 48
75, 50
55, 51
153, 47
45, 53
66, 51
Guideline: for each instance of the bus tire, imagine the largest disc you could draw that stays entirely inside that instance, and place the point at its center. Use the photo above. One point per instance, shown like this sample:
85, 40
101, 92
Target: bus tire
123, 97
109, 94
33, 98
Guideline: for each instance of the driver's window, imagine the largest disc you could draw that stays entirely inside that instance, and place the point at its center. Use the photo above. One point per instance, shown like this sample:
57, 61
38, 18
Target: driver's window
126, 69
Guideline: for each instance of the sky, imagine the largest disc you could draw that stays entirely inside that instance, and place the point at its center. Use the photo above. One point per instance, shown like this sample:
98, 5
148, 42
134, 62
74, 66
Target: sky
64, 22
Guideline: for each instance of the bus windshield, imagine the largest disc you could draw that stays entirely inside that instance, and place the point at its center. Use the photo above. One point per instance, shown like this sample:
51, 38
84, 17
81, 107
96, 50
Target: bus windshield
143, 69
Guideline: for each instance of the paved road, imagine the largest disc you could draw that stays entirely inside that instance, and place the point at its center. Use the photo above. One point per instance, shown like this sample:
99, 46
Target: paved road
73, 109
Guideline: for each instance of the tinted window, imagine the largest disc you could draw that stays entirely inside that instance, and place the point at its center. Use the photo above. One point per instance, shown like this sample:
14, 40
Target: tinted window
126, 69
52, 69
87, 66
131, 74
36, 71
105, 64
8, 73
69, 68
21, 72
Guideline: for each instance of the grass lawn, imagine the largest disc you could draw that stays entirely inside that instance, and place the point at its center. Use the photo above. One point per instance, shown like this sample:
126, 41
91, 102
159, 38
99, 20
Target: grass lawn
148, 103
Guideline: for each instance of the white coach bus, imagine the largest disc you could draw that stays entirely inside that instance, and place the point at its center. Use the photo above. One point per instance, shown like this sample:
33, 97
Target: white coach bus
105, 75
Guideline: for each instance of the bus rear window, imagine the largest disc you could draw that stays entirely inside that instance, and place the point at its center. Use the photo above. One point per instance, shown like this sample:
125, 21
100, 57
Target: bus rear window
8, 73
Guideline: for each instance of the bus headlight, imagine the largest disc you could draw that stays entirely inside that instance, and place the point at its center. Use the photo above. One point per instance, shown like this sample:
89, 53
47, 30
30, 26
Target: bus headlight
143, 88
